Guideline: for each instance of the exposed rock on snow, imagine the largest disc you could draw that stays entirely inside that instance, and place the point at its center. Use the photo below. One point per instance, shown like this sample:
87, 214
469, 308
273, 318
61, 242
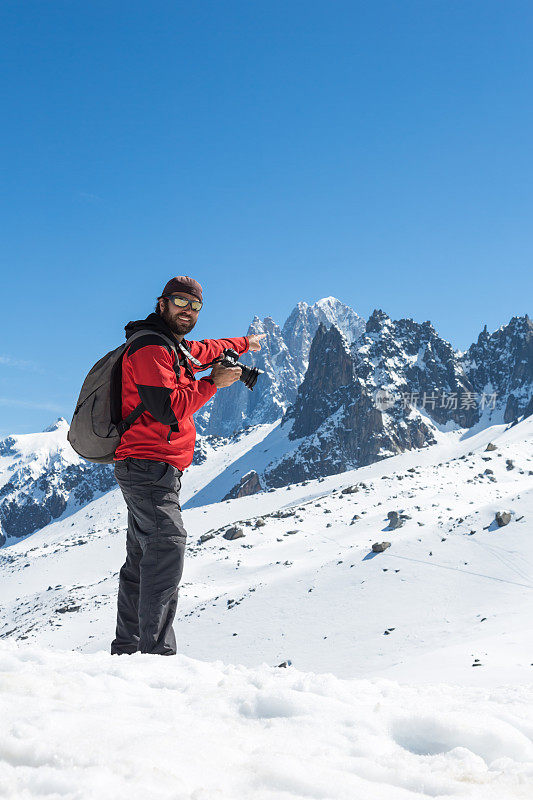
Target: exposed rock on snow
233, 533
379, 547
394, 520
248, 484
503, 518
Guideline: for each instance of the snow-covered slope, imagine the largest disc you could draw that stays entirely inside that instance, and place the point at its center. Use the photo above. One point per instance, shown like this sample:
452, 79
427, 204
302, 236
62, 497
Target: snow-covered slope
411, 671
42, 479
303, 584
316, 408
224, 461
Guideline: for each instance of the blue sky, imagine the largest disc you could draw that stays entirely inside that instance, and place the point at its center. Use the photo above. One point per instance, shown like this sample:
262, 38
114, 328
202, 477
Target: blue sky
376, 151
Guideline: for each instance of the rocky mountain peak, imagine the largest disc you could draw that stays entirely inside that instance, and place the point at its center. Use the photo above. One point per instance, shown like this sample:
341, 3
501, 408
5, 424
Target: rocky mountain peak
483, 336
303, 321
500, 364
284, 358
275, 390
428, 327
403, 379
377, 320
330, 369
330, 361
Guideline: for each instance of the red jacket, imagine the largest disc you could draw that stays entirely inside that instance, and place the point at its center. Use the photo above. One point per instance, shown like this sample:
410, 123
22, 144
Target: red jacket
165, 431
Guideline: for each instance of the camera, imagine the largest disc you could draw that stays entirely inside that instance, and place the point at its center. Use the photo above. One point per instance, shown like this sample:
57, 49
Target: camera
249, 375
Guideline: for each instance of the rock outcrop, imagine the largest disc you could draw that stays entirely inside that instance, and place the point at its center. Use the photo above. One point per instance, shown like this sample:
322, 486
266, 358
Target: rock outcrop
248, 484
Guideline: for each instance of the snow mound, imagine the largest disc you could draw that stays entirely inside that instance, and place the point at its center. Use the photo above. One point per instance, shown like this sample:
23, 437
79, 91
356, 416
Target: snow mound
93, 725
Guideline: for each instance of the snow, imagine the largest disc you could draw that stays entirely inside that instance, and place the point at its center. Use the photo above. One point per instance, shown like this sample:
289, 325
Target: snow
33, 473
223, 467
37, 451
94, 725
412, 669
60, 424
331, 311
434, 601
33, 446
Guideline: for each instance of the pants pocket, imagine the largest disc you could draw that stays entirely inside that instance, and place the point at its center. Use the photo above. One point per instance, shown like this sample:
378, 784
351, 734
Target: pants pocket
168, 513
143, 472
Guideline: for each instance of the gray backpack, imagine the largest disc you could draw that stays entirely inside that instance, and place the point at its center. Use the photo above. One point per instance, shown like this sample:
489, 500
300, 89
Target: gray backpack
97, 424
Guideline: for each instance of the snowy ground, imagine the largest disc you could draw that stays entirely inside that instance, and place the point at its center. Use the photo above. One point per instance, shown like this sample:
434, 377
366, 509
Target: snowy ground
97, 726
306, 586
446, 611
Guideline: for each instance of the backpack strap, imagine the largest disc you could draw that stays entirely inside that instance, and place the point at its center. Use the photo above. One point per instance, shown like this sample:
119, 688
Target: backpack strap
183, 358
128, 421
137, 335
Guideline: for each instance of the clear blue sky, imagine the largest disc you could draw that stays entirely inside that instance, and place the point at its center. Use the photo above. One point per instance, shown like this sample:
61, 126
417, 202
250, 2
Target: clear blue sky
276, 151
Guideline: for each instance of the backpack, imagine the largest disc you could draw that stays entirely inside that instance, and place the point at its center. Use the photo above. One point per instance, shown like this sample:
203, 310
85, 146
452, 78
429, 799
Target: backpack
97, 423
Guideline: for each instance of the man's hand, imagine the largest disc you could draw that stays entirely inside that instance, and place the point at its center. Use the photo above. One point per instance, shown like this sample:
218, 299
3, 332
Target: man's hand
253, 340
224, 376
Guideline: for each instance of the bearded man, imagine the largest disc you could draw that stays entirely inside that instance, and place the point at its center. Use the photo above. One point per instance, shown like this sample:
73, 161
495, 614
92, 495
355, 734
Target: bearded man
160, 394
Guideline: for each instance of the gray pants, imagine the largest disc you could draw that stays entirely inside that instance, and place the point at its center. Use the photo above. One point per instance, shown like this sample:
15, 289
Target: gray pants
155, 549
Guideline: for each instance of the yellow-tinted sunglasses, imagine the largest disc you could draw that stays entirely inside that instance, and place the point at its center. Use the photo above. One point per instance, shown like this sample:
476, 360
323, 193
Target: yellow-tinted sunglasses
183, 302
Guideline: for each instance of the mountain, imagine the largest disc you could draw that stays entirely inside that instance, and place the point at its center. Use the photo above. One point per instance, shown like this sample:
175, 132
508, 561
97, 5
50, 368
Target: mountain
345, 399
42, 479
283, 357
393, 387
273, 393
501, 363
303, 322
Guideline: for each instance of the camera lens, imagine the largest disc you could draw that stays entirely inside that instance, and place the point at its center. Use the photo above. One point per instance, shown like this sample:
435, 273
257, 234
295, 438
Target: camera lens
249, 375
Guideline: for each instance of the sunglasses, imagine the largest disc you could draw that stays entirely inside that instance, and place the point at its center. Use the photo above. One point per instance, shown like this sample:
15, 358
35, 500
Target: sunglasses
183, 302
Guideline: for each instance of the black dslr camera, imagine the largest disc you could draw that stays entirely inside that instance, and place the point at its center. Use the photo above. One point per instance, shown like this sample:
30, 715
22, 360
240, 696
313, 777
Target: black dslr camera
249, 375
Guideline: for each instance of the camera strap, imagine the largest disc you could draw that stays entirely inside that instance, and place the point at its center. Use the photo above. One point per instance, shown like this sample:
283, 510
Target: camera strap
189, 357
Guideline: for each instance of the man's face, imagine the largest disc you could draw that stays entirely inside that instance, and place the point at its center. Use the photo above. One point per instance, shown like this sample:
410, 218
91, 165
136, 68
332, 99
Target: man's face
179, 320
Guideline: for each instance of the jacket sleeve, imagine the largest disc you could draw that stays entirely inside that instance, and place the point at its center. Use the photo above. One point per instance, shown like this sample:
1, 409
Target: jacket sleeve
208, 349
157, 384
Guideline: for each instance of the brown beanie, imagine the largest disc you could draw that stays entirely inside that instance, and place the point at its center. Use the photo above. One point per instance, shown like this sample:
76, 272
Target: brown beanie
182, 283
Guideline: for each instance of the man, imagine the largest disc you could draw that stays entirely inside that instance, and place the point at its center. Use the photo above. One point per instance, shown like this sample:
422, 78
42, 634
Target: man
154, 452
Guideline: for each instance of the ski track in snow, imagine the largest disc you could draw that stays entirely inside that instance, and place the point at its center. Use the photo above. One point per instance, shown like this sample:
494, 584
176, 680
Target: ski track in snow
412, 670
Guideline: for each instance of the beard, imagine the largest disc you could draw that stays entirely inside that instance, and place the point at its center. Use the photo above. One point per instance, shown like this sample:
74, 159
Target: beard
176, 326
